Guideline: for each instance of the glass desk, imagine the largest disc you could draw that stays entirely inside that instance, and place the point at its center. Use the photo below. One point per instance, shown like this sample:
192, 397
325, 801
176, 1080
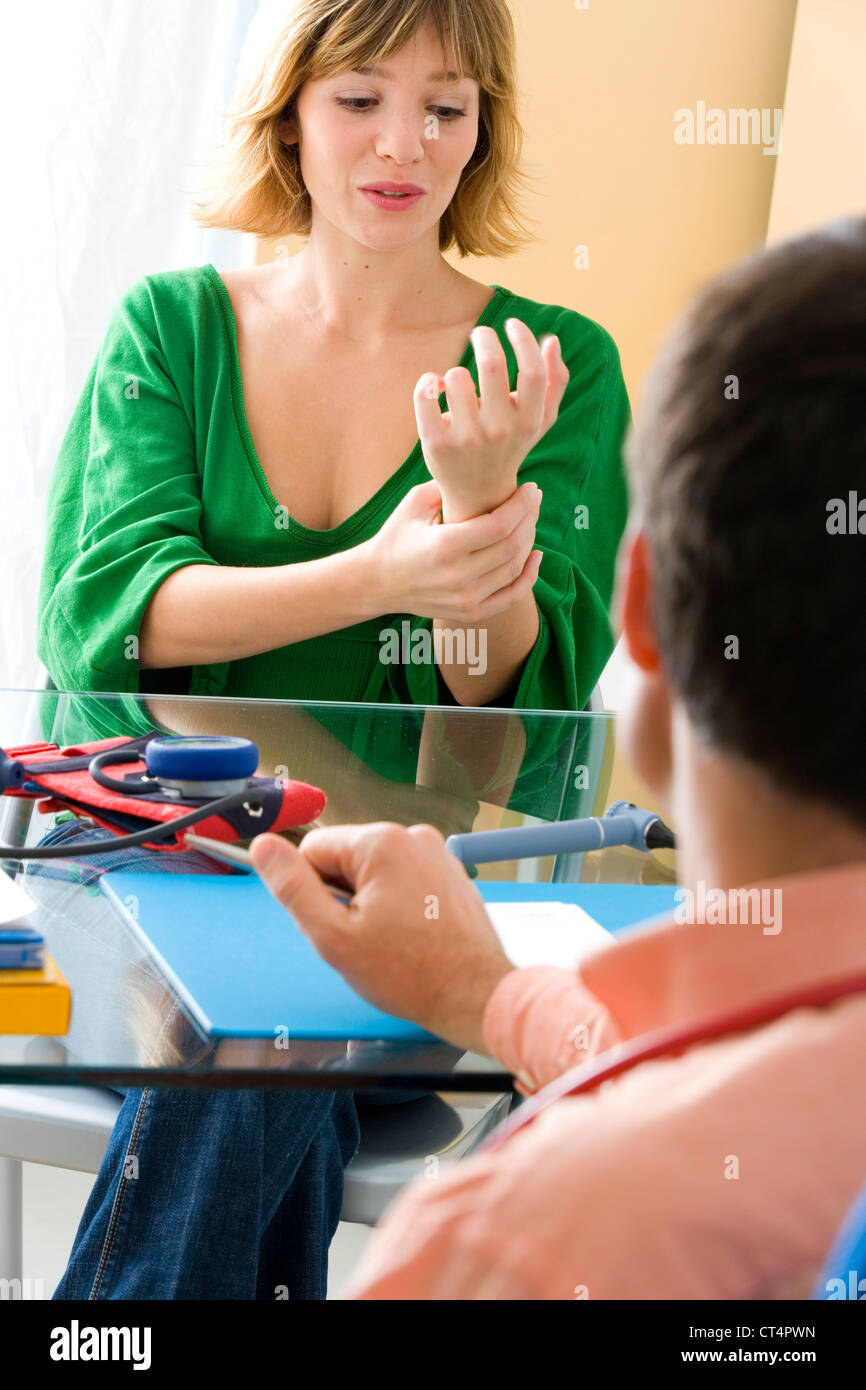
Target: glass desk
456, 768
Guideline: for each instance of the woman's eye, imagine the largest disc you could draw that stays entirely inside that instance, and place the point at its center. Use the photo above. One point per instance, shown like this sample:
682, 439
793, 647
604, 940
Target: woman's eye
445, 113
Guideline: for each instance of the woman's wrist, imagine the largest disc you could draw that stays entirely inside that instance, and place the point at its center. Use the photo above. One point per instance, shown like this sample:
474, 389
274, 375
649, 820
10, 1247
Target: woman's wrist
462, 504
364, 574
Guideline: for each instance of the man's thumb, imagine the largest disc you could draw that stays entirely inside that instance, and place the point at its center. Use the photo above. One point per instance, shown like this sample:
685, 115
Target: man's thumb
292, 880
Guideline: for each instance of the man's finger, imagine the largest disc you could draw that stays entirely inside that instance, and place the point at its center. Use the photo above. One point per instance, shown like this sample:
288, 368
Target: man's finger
342, 852
295, 884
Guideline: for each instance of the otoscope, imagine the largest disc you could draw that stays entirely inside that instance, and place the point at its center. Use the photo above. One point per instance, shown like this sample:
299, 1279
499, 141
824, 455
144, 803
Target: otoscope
622, 824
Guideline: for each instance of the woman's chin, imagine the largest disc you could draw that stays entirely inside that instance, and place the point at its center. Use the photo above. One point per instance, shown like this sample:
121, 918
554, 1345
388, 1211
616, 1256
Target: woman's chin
377, 238
384, 231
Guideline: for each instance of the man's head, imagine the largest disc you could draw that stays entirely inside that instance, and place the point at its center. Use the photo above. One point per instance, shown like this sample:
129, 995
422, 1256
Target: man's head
742, 578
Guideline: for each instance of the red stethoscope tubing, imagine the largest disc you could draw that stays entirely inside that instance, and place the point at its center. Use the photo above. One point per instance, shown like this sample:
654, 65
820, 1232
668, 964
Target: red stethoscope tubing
669, 1041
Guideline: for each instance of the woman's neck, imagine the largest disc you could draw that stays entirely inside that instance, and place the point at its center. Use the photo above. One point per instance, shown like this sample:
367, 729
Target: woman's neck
364, 295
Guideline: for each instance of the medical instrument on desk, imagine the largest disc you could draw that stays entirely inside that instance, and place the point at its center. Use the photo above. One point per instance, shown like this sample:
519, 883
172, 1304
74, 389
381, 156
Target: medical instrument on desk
236, 854
184, 781
622, 824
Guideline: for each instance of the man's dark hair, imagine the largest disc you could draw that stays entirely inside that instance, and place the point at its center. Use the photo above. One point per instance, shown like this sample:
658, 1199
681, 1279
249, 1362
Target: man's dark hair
751, 438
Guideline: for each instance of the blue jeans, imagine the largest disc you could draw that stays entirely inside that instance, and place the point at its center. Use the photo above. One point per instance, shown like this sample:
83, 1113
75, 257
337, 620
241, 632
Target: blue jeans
215, 1194
207, 1194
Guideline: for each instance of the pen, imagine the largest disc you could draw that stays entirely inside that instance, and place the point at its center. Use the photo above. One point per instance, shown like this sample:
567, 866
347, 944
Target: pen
235, 854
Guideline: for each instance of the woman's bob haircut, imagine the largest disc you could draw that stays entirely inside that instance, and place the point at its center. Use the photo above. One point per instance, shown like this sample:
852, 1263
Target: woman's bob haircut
256, 184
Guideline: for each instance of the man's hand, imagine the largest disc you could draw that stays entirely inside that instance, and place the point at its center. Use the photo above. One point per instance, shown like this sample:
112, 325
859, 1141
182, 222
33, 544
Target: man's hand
415, 940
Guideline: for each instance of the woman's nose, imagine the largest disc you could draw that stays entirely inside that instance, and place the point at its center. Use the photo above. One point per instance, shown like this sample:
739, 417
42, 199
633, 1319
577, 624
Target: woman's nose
402, 139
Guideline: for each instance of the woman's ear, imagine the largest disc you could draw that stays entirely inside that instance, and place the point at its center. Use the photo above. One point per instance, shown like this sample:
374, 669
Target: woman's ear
287, 130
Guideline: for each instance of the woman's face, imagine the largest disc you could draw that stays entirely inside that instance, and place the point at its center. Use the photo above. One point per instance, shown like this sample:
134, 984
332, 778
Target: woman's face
401, 124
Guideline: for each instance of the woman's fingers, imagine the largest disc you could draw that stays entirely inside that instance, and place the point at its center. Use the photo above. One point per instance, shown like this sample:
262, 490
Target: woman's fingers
497, 407
460, 421
426, 401
558, 377
422, 501
513, 550
505, 594
541, 379
492, 527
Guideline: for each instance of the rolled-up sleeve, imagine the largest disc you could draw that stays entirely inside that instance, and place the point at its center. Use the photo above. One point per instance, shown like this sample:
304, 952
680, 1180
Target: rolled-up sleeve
124, 507
541, 1021
463, 1236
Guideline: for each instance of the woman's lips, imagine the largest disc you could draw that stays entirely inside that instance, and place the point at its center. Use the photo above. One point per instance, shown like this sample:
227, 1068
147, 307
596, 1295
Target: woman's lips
392, 201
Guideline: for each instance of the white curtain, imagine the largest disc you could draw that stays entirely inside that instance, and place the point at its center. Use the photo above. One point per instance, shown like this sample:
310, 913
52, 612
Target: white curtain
105, 106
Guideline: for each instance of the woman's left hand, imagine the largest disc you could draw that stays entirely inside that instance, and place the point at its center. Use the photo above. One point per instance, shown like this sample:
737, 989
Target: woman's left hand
475, 448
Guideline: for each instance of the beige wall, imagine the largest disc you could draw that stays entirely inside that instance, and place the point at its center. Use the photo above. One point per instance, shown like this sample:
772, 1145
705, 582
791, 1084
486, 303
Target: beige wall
599, 90
601, 87
822, 167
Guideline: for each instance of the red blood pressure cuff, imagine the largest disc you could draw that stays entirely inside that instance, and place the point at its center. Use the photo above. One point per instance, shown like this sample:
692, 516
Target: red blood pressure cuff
60, 777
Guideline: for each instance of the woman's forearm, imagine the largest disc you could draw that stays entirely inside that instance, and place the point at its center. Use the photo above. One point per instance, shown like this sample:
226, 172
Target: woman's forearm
292, 743
202, 614
480, 661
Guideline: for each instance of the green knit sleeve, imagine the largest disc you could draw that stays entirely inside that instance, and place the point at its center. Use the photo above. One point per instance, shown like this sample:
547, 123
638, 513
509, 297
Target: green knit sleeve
123, 508
581, 473
578, 465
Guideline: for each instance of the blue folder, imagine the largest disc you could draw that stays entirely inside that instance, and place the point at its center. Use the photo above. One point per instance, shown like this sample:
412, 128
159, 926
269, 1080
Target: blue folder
245, 969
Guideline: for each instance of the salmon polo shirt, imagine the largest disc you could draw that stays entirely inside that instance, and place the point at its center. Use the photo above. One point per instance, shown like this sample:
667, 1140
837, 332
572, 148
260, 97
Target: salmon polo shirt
720, 1173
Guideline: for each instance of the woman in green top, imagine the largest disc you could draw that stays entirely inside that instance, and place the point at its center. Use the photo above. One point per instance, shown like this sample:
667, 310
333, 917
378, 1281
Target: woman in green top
234, 510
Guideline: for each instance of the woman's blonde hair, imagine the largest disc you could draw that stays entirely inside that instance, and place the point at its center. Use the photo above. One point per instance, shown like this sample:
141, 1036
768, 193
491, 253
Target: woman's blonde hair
256, 184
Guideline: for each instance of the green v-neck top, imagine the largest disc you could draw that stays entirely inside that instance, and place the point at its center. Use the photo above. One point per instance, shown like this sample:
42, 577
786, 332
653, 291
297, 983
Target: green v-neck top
158, 469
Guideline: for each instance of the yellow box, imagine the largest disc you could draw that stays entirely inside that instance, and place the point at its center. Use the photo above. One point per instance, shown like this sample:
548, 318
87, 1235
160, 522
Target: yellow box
35, 1001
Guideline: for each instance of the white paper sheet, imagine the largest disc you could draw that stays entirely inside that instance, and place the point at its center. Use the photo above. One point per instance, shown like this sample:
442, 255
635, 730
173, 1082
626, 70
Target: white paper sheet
547, 933
15, 905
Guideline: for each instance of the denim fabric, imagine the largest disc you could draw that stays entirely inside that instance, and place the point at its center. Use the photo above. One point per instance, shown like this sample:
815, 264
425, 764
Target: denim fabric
215, 1194
205, 1194
87, 868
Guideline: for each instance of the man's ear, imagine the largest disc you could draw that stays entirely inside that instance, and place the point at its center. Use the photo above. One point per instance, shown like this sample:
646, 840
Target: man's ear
635, 603
644, 723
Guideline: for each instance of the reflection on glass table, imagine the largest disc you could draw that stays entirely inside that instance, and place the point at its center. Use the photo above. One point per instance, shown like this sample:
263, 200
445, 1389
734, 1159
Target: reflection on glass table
458, 769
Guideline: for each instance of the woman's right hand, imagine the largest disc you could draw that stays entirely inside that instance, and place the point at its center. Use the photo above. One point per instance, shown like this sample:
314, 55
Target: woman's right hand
464, 572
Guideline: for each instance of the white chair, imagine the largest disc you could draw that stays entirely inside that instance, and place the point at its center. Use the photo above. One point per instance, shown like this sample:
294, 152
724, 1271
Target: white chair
70, 1126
